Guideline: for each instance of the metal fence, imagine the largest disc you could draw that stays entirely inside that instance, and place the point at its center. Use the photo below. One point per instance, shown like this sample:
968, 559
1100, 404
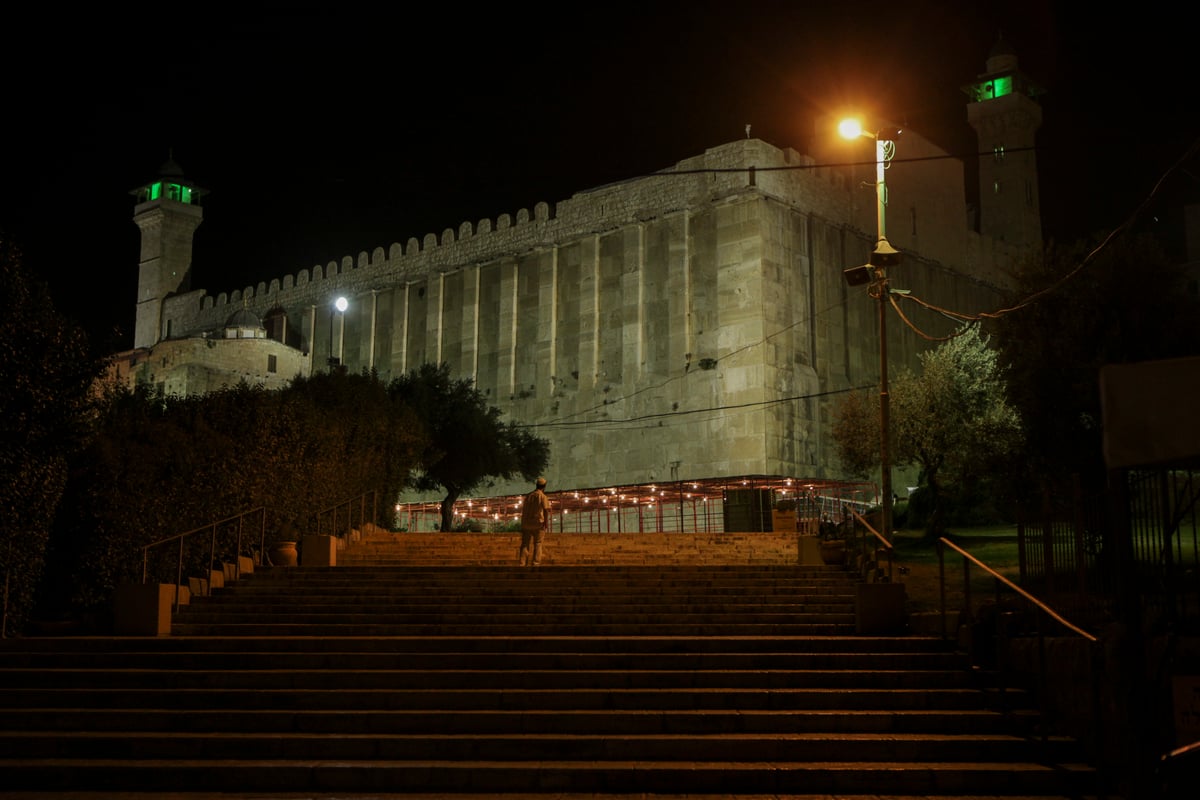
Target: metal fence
1128, 548
1161, 520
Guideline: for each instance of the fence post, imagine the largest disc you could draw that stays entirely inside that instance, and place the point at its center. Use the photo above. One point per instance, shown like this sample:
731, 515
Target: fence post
1080, 555
212, 549
1047, 541
941, 552
178, 575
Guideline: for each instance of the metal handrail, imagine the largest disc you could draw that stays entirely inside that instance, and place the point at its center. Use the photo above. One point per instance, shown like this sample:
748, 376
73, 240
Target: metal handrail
212, 553
881, 543
1174, 771
1095, 651
7, 583
332, 512
1000, 578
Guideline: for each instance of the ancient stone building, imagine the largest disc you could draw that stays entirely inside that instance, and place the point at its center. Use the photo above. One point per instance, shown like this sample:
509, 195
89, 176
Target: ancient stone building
691, 323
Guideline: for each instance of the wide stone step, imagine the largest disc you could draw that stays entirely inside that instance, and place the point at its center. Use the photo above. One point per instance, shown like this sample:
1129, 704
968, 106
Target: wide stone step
406, 586
494, 678
593, 571
666, 574
556, 746
265, 590
485, 697
710, 722
528, 643
825, 625
501, 617
509, 777
370, 606
844, 656
41, 665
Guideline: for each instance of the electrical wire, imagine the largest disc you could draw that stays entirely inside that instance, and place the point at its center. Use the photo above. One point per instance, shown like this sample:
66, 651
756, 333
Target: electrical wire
687, 369
1190, 153
915, 329
674, 414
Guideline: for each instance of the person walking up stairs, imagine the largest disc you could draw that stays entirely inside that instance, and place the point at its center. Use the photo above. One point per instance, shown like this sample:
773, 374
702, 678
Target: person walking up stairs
535, 520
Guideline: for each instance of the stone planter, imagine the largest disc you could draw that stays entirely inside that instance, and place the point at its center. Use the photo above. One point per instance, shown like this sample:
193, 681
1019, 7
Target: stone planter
283, 554
144, 609
319, 551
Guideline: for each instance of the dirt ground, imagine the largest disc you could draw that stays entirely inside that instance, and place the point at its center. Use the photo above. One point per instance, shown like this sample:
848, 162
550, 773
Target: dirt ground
921, 574
922, 588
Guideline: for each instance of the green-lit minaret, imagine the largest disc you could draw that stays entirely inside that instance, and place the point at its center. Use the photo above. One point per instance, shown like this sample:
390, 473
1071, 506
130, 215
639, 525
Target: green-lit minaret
1006, 119
168, 214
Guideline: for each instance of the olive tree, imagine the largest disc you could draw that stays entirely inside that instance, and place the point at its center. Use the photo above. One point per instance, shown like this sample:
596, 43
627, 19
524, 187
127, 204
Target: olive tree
469, 446
952, 420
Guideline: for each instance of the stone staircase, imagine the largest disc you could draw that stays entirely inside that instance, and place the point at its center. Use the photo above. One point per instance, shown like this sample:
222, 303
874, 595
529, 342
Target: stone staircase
383, 677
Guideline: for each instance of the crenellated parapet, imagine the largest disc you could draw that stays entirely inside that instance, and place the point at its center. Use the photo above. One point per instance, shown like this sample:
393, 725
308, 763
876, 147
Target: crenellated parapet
718, 172
728, 171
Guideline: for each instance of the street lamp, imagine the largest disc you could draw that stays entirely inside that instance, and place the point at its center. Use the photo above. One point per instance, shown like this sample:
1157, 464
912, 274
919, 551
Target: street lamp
340, 305
874, 273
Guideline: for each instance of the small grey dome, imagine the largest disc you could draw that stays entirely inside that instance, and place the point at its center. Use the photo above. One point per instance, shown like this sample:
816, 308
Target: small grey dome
243, 318
170, 169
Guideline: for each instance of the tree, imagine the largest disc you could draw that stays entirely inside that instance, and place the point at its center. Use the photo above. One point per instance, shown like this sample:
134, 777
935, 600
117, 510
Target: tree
468, 446
161, 465
1079, 308
952, 421
47, 369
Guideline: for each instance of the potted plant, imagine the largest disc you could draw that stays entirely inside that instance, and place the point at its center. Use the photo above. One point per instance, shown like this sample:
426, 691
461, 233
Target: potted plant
281, 552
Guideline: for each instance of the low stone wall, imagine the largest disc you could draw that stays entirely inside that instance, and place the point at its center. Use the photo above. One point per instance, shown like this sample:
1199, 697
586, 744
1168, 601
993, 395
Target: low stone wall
581, 548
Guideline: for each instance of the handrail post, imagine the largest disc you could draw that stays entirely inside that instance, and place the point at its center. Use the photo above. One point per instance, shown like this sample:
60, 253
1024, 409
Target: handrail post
178, 575
1044, 686
237, 555
1001, 648
967, 589
998, 632
4, 618
212, 552
941, 552
1099, 730
262, 533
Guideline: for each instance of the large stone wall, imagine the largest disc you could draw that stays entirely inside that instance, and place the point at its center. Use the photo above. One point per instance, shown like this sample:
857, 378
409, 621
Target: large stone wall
688, 324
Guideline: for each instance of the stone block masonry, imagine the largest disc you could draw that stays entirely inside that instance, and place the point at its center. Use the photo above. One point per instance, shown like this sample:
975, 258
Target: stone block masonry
691, 323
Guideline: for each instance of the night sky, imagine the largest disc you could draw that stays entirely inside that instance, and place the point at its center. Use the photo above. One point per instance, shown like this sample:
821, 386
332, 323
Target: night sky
321, 133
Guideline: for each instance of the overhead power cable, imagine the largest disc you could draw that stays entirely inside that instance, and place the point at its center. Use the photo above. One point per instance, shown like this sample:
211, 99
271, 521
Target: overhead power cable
1190, 153
733, 407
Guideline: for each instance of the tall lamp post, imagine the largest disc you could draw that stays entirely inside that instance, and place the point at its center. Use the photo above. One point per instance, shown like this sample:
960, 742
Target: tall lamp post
340, 305
874, 273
